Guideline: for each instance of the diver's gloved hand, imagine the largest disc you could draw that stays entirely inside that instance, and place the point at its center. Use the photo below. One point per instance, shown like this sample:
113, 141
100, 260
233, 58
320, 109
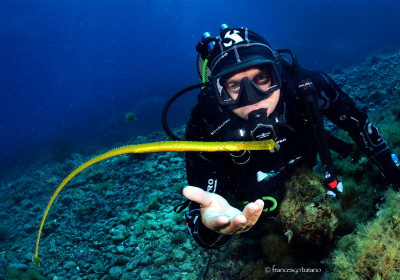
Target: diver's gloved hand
332, 184
218, 215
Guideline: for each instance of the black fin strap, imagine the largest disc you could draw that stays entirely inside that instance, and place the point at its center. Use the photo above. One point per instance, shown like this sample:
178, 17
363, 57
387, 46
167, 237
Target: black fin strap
180, 207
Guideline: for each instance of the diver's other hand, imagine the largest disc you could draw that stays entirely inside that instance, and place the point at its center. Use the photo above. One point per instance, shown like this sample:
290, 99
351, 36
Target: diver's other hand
218, 215
334, 190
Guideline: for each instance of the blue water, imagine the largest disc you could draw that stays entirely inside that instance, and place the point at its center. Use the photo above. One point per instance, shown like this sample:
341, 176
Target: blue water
71, 70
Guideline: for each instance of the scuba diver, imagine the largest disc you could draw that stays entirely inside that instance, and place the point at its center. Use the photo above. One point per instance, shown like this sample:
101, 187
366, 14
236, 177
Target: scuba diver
251, 92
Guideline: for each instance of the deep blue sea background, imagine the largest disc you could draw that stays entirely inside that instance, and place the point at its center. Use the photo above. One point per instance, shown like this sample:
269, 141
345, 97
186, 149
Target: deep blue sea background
71, 70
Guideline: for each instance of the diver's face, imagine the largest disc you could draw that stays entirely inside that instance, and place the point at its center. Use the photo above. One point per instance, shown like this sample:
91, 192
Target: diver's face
262, 79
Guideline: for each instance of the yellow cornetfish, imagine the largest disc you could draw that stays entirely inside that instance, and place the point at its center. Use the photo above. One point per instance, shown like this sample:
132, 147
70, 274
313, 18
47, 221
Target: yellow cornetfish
172, 146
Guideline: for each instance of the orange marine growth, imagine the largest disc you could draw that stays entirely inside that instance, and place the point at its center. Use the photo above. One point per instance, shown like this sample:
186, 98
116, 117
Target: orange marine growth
172, 146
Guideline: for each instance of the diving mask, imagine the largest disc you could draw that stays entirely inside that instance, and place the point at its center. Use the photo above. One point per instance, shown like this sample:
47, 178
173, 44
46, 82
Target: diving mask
248, 90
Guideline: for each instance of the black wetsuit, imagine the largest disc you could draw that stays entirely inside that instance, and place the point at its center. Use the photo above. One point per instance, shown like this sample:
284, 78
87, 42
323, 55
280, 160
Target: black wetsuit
237, 173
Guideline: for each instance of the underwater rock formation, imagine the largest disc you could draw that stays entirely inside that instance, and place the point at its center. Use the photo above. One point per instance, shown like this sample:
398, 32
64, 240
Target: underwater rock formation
305, 209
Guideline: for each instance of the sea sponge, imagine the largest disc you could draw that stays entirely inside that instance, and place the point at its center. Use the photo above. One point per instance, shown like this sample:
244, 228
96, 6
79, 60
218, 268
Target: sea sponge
305, 209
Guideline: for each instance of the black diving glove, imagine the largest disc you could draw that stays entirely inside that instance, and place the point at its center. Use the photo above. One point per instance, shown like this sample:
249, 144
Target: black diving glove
332, 183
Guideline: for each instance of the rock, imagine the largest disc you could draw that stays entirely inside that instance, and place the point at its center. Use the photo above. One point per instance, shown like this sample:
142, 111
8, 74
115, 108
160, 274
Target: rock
125, 218
151, 235
98, 267
187, 245
150, 216
161, 168
133, 264
139, 207
146, 261
78, 182
346, 89
177, 228
144, 274
28, 256
66, 200
61, 278
157, 255
49, 227
77, 194
18, 266
50, 276
187, 267
115, 272
26, 204
120, 234
178, 255
109, 194
222, 265
3, 215
129, 276
175, 160
82, 264
376, 96
167, 224
29, 228
121, 260
120, 249
160, 261
69, 265
86, 236
149, 171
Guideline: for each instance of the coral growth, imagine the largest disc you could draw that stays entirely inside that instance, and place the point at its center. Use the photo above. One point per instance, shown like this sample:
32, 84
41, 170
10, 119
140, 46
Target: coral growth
373, 252
306, 211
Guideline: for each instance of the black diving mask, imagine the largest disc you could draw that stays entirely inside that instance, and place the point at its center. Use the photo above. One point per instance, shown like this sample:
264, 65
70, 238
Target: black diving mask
247, 91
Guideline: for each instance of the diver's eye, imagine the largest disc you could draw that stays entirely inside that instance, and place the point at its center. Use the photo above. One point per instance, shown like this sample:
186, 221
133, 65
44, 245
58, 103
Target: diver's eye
234, 88
262, 79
